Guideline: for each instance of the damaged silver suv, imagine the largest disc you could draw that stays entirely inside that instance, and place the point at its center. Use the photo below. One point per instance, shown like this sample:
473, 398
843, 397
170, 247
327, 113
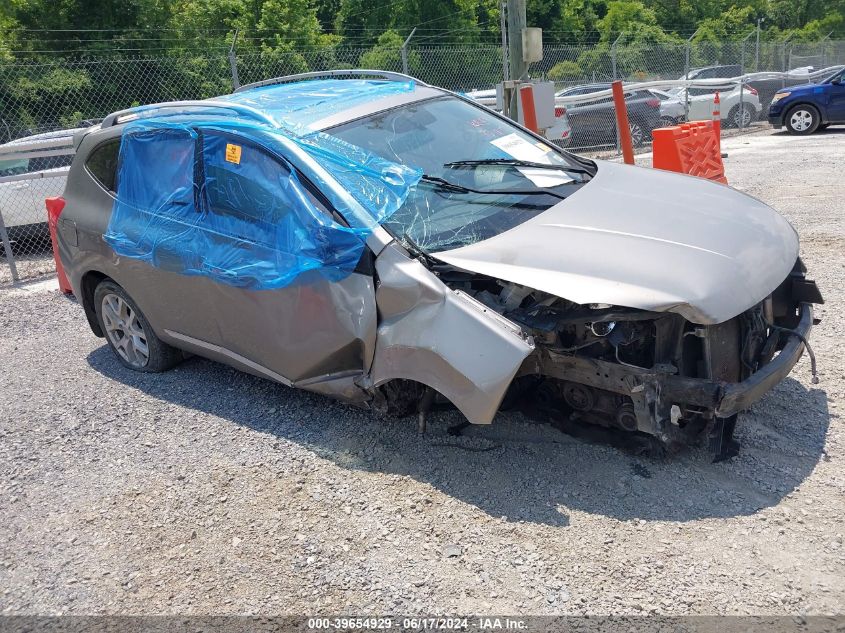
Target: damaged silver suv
372, 238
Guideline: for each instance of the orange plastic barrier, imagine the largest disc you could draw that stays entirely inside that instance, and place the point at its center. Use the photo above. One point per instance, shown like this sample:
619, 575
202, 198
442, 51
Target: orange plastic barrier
55, 206
689, 148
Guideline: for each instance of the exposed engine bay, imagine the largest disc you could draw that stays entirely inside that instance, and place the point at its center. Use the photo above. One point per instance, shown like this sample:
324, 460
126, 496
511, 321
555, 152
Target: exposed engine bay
650, 373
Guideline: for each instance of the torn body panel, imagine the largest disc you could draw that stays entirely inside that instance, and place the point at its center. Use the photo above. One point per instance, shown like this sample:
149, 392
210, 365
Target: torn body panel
442, 338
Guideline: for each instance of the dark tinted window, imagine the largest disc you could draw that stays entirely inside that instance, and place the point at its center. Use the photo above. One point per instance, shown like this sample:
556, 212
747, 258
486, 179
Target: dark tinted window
256, 188
102, 163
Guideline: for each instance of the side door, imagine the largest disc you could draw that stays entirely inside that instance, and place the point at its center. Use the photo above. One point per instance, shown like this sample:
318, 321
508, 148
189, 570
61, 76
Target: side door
285, 313
836, 107
134, 226
700, 104
592, 122
599, 120
17, 204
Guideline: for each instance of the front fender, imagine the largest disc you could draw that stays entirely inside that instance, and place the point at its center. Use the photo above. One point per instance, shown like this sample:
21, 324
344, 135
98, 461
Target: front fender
443, 338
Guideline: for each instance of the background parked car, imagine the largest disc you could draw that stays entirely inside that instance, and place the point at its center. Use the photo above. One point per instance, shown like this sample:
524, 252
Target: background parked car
736, 109
671, 107
594, 123
22, 201
805, 109
766, 88
560, 133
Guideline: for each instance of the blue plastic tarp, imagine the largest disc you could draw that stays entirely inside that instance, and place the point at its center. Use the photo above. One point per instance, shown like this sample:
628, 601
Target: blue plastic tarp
294, 106
223, 199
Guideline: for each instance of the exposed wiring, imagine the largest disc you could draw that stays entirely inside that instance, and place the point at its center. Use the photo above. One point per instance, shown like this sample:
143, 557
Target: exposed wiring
815, 379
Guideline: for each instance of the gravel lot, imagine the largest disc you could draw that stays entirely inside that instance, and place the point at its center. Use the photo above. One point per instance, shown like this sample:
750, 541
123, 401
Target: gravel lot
205, 490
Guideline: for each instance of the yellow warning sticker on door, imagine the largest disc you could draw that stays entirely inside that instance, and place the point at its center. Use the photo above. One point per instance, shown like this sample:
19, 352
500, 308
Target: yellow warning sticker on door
233, 153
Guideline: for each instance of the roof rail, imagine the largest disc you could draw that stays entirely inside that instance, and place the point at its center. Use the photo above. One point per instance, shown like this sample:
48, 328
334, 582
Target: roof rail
345, 72
114, 117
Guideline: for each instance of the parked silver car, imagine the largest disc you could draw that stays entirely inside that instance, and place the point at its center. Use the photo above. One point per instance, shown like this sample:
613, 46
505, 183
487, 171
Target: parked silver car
32, 168
737, 108
369, 237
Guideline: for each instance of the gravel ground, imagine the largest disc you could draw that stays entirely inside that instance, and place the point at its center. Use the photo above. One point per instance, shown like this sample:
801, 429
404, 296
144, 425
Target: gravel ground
29, 267
205, 490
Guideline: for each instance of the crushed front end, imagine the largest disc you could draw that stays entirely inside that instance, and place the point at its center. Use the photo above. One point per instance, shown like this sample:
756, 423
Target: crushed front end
652, 373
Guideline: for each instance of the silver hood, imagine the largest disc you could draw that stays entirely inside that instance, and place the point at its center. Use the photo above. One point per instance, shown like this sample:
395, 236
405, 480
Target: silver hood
647, 239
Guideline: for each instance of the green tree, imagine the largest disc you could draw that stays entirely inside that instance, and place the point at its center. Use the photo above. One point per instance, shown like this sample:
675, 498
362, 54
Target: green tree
386, 54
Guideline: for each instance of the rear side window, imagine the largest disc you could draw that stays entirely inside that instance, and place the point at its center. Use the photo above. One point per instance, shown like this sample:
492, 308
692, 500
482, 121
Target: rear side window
14, 167
102, 164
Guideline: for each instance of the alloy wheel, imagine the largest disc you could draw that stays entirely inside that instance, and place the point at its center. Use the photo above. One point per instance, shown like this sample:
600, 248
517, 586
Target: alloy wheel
801, 120
742, 117
636, 134
125, 331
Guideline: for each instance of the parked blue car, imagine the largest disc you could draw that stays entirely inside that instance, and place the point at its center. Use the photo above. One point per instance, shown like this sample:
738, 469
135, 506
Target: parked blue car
806, 108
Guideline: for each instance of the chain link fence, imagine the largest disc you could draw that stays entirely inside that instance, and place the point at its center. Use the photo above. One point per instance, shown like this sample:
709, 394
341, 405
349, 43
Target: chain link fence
38, 97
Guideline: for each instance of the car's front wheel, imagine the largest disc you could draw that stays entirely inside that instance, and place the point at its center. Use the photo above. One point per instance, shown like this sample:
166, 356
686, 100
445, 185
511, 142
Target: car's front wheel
802, 119
129, 333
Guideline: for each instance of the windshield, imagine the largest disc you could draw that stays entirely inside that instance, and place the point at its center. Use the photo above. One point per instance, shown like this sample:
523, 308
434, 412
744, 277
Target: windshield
431, 134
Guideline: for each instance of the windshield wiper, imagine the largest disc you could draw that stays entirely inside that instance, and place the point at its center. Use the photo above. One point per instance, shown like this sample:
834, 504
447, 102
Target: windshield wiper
414, 248
456, 188
512, 162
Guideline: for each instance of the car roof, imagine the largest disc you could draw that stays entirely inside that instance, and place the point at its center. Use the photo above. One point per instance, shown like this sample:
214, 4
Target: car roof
714, 67
596, 87
293, 107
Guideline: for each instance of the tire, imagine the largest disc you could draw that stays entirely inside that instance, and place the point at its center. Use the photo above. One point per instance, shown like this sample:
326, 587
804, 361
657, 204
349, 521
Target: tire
638, 133
741, 117
802, 120
823, 126
667, 121
128, 332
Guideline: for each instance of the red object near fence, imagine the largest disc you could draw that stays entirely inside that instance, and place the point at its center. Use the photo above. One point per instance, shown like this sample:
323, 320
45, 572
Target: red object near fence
622, 124
529, 112
689, 148
717, 121
55, 205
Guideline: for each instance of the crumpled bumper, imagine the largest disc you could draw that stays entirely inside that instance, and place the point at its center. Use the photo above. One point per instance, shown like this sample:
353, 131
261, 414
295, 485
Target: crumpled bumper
739, 396
728, 399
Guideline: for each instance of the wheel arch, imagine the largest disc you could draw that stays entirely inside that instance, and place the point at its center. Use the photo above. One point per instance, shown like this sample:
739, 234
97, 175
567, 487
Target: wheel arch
89, 282
822, 112
443, 338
